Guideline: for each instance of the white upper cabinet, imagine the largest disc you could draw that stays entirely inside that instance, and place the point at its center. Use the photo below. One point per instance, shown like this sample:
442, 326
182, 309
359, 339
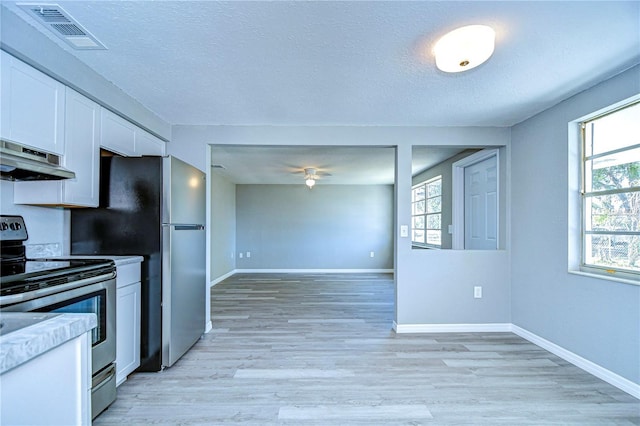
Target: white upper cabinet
147, 144
118, 135
32, 106
82, 156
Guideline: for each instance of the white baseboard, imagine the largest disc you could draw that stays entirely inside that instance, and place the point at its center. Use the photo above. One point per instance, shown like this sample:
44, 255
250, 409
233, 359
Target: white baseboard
312, 271
590, 367
452, 328
208, 327
221, 278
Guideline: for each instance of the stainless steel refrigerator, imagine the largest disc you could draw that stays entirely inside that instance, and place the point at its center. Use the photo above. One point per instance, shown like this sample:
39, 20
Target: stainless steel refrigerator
153, 207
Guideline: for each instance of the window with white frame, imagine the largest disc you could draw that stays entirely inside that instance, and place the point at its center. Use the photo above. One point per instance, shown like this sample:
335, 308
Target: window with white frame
611, 192
426, 213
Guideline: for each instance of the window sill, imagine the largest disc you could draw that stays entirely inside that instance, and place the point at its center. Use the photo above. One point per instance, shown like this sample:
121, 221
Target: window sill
606, 277
421, 247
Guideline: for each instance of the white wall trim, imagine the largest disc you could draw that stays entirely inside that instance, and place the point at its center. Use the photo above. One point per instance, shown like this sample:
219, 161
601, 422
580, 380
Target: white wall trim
313, 271
295, 271
452, 328
221, 278
208, 327
590, 367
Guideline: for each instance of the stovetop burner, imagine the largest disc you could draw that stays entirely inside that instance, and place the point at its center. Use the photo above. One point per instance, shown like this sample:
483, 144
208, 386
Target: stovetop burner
37, 274
22, 275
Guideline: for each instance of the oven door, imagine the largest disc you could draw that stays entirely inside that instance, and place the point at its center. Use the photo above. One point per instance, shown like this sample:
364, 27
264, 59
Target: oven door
97, 298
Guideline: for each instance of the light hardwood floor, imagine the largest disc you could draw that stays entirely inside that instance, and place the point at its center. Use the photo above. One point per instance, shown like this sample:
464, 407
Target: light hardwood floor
305, 349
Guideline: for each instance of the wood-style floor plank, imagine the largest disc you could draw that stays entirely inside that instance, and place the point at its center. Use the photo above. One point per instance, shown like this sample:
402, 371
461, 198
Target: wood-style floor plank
318, 349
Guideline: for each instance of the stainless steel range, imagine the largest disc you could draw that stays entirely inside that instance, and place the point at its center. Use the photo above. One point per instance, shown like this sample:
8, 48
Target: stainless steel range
73, 286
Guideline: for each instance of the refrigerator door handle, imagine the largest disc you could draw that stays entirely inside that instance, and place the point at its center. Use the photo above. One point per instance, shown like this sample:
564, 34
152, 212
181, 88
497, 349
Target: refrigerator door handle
188, 227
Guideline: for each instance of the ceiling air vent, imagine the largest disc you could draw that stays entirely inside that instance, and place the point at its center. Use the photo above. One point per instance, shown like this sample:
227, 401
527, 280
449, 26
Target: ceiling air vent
60, 23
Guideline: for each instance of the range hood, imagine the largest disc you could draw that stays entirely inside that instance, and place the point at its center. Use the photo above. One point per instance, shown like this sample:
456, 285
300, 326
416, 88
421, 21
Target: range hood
19, 162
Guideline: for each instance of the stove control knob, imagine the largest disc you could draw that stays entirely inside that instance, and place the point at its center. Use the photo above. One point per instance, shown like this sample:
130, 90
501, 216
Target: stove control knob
4, 226
15, 226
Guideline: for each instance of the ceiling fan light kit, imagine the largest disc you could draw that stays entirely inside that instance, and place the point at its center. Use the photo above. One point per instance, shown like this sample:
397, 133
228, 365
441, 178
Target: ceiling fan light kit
310, 182
310, 177
464, 48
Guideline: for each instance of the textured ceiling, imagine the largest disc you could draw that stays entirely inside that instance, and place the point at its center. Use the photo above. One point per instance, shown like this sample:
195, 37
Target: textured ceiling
337, 165
286, 164
350, 62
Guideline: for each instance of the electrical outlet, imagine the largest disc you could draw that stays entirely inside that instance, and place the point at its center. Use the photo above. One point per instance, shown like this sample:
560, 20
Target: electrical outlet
240, 255
477, 292
372, 254
248, 254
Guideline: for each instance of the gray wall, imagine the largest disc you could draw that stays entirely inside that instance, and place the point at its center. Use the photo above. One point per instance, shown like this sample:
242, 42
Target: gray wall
595, 318
328, 227
446, 295
223, 226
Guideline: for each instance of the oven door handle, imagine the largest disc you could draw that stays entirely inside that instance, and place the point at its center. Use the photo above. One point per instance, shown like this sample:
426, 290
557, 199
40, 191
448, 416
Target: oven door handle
47, 291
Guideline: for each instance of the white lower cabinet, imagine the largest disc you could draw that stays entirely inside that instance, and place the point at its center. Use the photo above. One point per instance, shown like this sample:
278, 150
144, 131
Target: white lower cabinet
51, 389
127, 320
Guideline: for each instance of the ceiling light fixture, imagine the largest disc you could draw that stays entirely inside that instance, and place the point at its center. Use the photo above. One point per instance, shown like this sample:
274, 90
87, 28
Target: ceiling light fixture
464, 48
310, 177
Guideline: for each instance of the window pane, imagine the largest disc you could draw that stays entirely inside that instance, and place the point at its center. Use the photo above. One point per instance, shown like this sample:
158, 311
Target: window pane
613, 131
615, 251
610, 215
434, 188
433, 221
417, 236
418, 208
418, 222
615, 171
614, 212
418, 193
433, 237
434, 205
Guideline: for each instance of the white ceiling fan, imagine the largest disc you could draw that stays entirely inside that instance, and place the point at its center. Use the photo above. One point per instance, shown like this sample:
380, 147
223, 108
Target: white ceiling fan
311, 174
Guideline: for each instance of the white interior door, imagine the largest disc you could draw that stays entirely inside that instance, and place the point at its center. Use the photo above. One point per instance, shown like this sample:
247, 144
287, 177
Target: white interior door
481, 205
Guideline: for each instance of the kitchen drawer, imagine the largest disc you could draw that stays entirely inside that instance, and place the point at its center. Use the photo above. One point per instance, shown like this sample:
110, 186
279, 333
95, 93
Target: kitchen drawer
128, 274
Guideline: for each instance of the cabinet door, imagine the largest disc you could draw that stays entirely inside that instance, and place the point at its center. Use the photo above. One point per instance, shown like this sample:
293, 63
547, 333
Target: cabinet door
127, 331
147, 144
117, 135
32, 106
82, 156
51, 389
82, 150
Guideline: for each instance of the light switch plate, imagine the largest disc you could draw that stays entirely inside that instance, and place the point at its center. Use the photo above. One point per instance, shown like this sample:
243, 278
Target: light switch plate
404, 230
477, 292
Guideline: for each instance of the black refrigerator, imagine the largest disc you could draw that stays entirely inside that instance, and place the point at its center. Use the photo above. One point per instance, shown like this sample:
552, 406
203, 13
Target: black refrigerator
153, 207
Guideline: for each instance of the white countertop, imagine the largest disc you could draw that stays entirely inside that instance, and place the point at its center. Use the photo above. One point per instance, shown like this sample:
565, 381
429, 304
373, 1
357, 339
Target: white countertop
37, 333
